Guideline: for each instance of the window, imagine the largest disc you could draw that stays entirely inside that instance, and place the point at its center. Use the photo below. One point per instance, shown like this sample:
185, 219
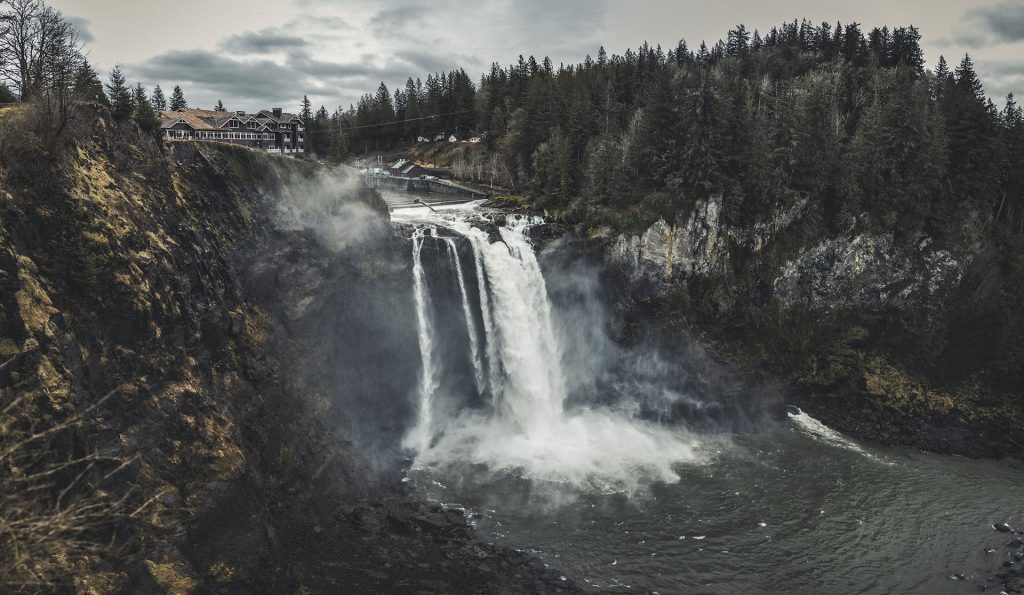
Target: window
233, 124
251, 125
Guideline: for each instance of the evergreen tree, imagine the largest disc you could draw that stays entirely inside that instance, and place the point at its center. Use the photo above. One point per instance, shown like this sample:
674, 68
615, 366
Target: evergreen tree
178, 101
144, 115
739, 39
87, 84
972, 143
305, 113
219, 107
158, 100
120, 95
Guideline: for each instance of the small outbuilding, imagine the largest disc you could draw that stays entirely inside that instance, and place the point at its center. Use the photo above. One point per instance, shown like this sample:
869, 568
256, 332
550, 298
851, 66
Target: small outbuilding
412, 170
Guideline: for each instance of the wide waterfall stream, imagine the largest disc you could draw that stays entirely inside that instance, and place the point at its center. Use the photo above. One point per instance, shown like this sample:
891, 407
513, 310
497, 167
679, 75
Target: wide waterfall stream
528, 416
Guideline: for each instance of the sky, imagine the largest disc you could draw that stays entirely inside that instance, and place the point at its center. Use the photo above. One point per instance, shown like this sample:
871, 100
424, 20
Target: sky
254, 54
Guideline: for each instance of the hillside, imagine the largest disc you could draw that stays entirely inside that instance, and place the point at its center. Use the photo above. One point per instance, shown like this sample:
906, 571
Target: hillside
169, 420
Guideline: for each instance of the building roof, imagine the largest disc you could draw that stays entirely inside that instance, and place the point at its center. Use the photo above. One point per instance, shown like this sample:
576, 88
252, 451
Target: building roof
285, 116
410, 167
201, 119
196, 118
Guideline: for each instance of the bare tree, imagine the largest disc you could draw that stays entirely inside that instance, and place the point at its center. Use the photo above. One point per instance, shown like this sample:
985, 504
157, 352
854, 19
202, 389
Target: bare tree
40, 58
55, 77
21, 43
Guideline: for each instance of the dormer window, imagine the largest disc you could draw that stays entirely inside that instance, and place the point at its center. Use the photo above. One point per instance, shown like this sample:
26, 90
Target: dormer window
233, 124
252, 125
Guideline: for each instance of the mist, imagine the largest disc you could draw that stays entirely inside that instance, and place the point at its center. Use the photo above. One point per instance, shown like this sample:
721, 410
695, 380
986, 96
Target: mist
561, 403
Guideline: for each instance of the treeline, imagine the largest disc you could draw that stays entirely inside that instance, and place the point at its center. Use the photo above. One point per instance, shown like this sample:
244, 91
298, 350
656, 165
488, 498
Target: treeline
443, 105
851, 122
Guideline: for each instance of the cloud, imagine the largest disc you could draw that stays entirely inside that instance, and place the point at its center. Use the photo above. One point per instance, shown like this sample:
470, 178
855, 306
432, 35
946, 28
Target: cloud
216, 75
1001, 77
340, 55
265, 41
991, 25
209, 76
81, 25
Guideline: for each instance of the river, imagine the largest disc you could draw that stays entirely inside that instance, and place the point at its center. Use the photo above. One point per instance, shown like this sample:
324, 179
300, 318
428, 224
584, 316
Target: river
618, 502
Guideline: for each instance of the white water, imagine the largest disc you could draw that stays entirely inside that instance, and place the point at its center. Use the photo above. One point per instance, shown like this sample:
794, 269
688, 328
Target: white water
819, 431
474, 348
419, 437
493, 365
530, 433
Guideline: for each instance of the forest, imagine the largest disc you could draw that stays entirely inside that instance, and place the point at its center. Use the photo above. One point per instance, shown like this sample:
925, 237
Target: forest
852, 122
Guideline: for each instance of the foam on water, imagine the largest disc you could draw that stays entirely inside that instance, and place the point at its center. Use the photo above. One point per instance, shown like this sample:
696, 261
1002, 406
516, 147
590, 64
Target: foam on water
819, 431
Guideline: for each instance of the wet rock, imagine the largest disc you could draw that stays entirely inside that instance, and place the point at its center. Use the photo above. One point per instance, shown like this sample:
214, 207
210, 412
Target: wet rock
1015, 543
1002, 527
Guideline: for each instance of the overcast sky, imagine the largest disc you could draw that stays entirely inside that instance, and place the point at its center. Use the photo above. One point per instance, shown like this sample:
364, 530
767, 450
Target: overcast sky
255, 54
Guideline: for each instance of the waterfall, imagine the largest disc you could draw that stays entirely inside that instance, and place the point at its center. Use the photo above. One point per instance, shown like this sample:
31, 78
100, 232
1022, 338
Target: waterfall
529, 431
419, 437
532, 391
493, 366
474, 339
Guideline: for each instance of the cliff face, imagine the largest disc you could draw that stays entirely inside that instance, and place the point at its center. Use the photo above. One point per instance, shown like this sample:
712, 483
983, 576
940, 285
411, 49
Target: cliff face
176, 410
848, 320
864, 271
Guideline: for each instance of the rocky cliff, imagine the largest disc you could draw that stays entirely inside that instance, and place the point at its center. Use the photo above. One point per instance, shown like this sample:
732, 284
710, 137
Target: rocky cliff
173, 414
849, 320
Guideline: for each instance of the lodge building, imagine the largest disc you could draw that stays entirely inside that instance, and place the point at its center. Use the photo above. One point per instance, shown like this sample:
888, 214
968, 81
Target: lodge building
271, 130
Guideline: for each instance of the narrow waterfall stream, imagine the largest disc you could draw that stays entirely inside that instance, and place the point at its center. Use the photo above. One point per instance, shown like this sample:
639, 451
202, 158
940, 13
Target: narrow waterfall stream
527, 416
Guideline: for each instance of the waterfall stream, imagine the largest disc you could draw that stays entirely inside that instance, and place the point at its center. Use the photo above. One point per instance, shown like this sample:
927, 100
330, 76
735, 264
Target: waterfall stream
528, 430
474, 348
420, 436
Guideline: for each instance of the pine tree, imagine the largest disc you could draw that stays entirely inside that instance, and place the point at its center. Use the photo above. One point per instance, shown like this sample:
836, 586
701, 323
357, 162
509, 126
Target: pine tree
158, 100
739, 40
178, 101
682, 53
120, 95
88, 85
145, 117
972, 137
219, 107
967, 79
304, 113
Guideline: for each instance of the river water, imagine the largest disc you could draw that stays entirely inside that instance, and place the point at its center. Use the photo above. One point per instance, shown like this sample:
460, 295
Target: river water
783, 511
620, 503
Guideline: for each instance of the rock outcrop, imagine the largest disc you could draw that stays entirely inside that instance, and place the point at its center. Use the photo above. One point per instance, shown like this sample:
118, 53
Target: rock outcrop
175, 322
845, 318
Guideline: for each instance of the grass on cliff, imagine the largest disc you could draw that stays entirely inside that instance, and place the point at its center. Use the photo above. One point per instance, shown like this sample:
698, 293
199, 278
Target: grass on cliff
55, 510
